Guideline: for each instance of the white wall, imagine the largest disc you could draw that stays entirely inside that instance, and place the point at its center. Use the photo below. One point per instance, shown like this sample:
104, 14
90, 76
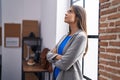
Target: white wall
32, 9
46, 11
62, 27
0, 14
0, 24
48, 23
52, 23
15, 11
12, 11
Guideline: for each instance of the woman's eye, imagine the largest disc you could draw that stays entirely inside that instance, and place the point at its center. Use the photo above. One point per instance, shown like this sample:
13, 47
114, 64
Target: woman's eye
70, 11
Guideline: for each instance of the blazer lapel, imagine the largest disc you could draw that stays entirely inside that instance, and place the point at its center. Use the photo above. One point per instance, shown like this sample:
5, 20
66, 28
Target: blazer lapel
70, 41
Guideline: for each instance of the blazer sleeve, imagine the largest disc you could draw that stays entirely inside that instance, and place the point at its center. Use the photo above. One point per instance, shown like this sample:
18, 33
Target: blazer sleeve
75, 50
50, 56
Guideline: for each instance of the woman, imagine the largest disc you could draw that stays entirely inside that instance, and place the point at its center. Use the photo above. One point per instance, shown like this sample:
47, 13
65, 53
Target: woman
71, 48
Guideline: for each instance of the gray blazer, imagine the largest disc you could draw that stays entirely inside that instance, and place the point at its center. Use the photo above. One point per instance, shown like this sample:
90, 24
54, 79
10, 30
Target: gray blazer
72, 53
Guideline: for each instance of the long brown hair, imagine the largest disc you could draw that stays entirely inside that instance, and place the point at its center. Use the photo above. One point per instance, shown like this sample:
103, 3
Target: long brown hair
80, 14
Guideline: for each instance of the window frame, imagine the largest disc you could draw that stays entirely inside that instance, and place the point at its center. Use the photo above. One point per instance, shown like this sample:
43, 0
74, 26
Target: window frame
89, 37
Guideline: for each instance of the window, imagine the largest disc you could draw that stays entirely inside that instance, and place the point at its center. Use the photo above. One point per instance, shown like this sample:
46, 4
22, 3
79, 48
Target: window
90, 61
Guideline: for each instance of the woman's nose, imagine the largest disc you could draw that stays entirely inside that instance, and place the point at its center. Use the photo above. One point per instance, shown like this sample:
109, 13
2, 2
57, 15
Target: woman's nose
66, 14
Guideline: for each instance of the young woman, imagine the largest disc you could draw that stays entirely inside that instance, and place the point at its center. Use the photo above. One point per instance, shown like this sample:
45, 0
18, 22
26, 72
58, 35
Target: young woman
71, 48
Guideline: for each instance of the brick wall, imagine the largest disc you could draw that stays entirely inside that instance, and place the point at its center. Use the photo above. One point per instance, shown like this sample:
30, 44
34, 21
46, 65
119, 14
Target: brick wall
109, 40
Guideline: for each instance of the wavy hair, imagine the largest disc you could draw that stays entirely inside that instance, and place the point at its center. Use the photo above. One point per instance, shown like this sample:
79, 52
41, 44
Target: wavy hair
80, 14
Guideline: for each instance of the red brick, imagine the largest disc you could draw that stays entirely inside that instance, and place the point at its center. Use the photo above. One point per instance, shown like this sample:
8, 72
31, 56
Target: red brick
109, 11
102, 1
104, 73
103, 43
118, 59
107, 5
102, 49
101, 78
102, 31
104, 25
115, 71
113, 30
101, 67
102, 19
117, 43
115, 2
111, 24
114, 16
109, 40
109, 63
108, 37
106, 56
119, 8
117, 23
113, 77
113, 50
102, 62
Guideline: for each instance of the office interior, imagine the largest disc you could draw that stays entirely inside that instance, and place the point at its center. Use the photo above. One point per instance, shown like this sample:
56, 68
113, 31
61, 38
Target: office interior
103, 21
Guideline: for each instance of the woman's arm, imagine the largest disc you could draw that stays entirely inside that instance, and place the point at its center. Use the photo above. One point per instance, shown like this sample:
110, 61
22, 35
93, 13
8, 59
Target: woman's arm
75, 50
55, 52
52, 55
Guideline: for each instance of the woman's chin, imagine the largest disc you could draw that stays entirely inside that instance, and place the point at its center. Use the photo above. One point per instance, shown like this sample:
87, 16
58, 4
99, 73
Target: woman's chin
65, 21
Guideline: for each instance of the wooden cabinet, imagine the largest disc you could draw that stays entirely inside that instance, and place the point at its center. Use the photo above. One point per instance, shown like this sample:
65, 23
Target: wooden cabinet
31, 46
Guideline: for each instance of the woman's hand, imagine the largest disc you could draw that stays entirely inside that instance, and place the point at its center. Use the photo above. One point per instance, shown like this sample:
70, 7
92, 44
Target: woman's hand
58, 57
54, 50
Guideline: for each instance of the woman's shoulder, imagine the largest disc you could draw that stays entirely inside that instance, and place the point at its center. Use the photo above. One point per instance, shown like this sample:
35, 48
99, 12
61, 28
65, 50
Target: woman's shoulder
82, 34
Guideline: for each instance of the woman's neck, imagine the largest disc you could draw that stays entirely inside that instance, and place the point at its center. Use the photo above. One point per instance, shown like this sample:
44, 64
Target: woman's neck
73, 29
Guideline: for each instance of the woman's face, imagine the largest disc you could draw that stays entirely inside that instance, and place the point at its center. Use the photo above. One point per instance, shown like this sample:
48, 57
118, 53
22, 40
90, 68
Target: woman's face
70, 16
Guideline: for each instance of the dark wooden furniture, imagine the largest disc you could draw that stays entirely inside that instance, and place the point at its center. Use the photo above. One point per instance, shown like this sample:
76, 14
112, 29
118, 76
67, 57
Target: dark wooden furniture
36, 68
28, 41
